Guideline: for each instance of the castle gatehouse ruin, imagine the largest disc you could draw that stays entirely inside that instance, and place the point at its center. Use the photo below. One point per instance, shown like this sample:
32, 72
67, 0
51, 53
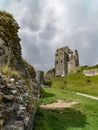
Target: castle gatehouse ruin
65, 61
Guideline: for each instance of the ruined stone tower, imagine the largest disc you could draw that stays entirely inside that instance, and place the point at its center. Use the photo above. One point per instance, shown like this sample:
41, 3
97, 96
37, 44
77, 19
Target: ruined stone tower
65, 61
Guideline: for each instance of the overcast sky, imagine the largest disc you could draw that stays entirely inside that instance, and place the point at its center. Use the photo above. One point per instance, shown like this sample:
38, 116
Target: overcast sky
49, 24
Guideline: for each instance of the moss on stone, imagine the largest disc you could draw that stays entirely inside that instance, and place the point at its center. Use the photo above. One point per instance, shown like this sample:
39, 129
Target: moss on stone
30, 69
4, 13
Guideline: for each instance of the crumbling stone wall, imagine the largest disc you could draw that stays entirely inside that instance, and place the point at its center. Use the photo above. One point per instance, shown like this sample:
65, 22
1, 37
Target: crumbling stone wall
65, 61
73, 61
18, 95
90, 72
50, 74
10, 48
16, 104
30, 71
40, 77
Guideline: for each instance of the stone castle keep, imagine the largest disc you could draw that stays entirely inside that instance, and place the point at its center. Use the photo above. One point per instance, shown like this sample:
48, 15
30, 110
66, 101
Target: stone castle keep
65, 61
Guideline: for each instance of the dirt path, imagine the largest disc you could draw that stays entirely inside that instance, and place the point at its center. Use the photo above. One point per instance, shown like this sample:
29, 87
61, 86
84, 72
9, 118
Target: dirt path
86, 95
60, 104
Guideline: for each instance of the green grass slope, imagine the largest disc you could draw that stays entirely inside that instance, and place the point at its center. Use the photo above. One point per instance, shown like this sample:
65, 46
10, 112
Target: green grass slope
83, 116
76, 82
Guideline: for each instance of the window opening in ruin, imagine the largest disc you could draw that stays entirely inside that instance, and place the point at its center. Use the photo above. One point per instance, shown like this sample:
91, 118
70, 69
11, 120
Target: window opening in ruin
70, 55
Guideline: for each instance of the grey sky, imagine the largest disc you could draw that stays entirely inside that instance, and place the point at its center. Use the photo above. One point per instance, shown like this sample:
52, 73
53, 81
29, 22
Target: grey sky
49, 24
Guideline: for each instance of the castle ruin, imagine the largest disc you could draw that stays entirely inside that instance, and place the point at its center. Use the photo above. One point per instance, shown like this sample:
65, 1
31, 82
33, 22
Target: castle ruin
65, 61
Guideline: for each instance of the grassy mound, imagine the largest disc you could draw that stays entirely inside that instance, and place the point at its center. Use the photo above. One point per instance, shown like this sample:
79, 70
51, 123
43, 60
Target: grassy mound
82, 116
59, 120
76, 82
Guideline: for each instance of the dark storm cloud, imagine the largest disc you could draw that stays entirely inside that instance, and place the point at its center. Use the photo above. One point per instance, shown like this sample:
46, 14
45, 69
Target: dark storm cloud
47, 25
32, 15
37, 54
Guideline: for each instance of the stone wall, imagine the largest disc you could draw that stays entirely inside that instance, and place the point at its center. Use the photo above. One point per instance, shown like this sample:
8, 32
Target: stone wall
40, 77
90, 72
19, 91
71, 66
10, 49
65, 61
61, 63
18, 103
73, 62
29, 70
50, 74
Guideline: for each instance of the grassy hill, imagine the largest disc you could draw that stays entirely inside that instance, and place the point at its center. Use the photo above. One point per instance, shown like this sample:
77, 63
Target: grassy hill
76, 82
82, 116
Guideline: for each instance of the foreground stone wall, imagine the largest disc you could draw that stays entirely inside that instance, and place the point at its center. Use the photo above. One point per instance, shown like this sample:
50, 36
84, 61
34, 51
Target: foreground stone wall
10, 48
18, 103
19, 90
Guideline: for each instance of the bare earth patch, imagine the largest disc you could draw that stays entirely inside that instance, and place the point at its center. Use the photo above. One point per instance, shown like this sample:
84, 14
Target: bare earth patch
60, 104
